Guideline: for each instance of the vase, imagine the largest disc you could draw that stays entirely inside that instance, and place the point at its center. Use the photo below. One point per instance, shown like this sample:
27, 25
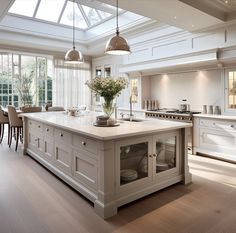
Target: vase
108, 106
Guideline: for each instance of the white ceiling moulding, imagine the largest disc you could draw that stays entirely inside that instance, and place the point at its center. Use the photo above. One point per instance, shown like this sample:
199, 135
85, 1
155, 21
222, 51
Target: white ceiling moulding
184, 61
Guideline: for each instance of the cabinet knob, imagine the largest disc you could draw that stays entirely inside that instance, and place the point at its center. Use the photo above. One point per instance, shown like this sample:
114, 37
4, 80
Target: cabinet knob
47, 129
150, 156
83, 143
61, 134
38, 126
154, 155
232, 126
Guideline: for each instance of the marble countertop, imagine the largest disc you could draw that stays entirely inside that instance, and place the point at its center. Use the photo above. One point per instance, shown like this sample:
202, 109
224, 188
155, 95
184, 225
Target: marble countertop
84, 125
219, 117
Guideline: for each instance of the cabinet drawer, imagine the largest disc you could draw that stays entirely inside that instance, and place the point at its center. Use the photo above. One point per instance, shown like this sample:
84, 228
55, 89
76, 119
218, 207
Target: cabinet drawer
85, 168
85, 143
63, 136
48, 130
218, 125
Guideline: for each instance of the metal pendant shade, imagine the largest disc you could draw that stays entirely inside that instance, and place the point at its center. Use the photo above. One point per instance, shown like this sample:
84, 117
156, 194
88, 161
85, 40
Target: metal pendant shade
117, 45
74, 56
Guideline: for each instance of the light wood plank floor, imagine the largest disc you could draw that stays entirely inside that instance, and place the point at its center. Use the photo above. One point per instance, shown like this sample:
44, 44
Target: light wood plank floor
32, 200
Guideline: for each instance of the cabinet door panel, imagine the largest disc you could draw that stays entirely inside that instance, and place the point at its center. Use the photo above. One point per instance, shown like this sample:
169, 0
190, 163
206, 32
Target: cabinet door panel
166, 156
219, 141
133, 164
35, 142
85, 168
49, 148
63, 157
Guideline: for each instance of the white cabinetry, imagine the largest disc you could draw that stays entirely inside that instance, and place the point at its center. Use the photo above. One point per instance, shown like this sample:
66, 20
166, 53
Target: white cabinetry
215, 137
147, 161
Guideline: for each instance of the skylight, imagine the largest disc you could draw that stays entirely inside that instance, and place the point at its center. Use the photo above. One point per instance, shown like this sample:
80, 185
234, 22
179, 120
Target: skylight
87, 13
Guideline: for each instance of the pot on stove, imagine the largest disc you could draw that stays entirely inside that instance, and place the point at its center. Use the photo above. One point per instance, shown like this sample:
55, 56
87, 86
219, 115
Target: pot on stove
184, 106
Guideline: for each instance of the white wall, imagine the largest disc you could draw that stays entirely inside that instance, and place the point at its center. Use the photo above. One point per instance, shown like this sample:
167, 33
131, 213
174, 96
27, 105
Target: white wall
199, 88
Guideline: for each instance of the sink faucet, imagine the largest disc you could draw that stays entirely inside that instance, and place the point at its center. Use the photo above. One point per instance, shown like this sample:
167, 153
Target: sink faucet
130, 108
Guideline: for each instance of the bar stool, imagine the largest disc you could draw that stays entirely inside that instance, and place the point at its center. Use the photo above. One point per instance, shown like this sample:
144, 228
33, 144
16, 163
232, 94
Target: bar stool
3, 120
15, 123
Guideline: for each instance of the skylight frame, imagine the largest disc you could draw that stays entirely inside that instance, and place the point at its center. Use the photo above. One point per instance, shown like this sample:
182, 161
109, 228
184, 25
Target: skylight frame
95, 5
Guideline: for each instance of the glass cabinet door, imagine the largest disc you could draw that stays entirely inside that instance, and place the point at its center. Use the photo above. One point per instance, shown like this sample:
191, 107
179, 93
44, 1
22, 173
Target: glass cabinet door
165, 153
133, 162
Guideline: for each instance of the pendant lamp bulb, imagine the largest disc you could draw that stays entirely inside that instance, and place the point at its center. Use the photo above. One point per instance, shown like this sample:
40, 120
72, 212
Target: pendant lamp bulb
117, 45
74, 56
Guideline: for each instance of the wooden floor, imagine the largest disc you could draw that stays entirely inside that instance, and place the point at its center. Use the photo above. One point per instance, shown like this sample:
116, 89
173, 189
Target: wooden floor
32, 200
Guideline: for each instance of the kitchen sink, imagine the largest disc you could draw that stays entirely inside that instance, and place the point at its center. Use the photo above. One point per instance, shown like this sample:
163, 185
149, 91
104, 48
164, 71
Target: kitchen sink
133, 120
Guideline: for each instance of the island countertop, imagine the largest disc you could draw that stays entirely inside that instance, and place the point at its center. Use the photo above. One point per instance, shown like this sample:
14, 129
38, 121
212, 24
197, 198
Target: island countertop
84, 125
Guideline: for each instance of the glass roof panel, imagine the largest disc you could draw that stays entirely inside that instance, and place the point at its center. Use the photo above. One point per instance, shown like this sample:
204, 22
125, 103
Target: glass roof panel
67, 17
91, 14
50, 11
24, 7
104, 14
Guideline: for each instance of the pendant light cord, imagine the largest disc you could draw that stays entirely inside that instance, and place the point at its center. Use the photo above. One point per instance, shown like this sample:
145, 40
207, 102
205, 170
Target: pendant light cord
74, 24
117, 23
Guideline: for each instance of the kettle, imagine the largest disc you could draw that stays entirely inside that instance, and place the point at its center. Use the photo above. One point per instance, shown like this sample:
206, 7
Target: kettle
184, 107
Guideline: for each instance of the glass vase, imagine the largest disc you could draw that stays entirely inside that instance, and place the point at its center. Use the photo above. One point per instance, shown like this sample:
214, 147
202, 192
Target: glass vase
108, 106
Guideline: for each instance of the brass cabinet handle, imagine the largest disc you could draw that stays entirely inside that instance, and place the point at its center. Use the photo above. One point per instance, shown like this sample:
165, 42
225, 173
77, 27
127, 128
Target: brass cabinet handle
154, 155
83, 143
150, 156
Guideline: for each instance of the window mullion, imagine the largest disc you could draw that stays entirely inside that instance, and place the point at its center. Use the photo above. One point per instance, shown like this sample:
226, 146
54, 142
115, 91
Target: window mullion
36, 8
84, 15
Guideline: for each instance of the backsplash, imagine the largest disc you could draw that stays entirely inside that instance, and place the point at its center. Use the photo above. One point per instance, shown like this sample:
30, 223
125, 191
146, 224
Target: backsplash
199, 88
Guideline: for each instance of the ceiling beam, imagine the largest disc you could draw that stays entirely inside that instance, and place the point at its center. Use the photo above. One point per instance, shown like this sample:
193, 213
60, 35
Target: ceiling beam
5, 6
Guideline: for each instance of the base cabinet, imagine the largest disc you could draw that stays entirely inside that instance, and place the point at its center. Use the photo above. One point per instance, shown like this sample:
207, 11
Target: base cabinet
110, 173
147, 160
215, 137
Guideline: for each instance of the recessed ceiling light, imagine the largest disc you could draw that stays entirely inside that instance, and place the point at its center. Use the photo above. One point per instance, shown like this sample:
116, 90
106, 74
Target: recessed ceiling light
175, 17
226, 1
192, 25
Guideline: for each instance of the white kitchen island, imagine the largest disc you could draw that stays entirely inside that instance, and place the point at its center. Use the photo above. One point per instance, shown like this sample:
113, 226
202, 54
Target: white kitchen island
111, 166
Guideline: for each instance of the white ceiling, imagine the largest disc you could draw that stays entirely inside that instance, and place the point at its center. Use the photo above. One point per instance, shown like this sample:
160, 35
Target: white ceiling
190, 15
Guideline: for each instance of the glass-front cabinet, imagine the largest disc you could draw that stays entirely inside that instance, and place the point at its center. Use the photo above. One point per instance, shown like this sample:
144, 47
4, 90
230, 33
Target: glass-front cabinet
145, 159
166, 154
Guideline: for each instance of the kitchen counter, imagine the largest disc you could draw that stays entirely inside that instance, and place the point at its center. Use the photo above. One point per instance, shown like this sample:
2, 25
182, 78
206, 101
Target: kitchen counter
220, 117
111, 166
84, 125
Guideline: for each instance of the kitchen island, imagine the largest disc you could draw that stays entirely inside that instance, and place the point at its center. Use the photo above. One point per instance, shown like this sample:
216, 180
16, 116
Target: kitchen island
111, 166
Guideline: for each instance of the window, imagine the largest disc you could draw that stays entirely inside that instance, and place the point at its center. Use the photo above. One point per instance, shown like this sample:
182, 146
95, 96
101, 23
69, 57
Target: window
61, 11
25, 80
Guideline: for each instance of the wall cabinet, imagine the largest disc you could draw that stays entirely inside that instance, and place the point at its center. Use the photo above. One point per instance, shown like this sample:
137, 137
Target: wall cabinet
215, 137
146, 160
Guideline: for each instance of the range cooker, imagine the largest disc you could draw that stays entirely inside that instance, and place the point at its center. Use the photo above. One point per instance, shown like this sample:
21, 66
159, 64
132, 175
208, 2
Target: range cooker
175, 115
171, 114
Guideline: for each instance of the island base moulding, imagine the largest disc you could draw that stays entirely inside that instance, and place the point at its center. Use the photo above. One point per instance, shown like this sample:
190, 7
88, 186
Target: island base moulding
93, 167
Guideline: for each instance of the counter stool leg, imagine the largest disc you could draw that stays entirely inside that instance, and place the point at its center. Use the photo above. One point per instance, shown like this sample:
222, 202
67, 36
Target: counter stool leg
2, 133
10, 139
17, 137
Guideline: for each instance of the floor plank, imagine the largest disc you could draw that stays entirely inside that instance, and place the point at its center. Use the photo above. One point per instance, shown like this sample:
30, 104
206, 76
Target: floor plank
32, 200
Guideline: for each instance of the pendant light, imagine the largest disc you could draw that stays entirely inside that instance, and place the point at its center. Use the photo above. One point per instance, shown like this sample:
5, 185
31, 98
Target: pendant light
74, 56
117, 45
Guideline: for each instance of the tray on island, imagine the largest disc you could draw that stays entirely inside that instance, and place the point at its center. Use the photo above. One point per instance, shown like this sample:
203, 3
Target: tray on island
99, 125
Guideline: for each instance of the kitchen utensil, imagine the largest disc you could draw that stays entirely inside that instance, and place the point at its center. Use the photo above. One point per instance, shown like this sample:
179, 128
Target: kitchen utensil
204, 109
128, 175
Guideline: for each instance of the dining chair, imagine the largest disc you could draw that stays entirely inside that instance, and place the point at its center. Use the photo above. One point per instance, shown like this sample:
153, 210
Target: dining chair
16, 124
3, 120
55, 108
31, 109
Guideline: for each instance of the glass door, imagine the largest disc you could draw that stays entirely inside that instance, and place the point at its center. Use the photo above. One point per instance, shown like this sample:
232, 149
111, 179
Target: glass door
133, 163
166, 156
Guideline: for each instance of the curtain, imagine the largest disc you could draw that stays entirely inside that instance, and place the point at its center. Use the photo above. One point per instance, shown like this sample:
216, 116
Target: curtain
69, 89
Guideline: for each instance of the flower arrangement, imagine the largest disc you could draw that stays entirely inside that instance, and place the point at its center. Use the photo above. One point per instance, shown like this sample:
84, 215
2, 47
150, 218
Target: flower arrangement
108, 88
